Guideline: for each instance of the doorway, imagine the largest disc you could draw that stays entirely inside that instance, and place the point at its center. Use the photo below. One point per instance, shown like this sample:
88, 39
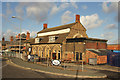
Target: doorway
58, 54
80, 56
53, 55
77, 56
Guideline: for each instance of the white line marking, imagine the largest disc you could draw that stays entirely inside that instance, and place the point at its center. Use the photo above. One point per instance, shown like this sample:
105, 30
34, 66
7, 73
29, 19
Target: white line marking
3, 65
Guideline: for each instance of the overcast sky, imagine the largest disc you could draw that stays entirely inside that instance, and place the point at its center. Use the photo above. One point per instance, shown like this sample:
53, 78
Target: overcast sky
99, 18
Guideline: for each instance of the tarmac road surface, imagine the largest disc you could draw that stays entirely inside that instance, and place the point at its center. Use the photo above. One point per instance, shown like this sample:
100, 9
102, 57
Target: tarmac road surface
10, 72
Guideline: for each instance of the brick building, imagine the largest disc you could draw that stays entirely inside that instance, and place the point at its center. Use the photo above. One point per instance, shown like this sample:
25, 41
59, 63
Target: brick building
15, 43
113, 46
68, 41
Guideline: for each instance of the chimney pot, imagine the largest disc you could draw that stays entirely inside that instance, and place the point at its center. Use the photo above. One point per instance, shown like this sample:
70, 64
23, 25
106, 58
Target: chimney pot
77, 18
16, 36
28, 35
19, 36
11, 38
44, 26
3, 39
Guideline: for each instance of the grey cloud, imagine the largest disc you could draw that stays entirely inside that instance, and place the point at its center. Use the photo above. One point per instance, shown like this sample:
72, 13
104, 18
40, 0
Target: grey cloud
108, 35
112, 7
110, 26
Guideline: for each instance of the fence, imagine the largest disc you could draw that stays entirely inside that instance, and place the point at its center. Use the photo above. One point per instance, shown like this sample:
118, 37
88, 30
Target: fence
113, 59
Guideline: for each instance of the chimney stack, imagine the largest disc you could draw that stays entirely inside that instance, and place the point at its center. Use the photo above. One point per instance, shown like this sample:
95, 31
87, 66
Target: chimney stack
11, 38
19, 36
44, 26
16, 36
3, 39
28, 36
77, 18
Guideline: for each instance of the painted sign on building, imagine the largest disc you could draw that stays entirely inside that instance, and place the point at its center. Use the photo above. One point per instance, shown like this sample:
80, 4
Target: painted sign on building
56, 62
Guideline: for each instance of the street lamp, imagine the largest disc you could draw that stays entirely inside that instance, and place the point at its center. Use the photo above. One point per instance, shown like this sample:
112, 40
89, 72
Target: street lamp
20, 34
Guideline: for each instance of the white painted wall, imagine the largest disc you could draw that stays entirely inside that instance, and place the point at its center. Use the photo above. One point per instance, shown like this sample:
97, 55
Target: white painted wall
55, 32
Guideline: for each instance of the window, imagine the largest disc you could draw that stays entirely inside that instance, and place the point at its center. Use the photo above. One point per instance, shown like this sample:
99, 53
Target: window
37, 40
42, 53
41, 39
80, 56
56, 37
58, 54
55, 51
53, 38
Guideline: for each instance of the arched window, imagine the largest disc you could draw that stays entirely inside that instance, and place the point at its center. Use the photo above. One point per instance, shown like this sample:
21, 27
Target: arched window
49, 53
42, 53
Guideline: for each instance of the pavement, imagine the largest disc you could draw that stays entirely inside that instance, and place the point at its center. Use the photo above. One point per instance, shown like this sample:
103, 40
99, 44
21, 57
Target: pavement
97, 67
70, 71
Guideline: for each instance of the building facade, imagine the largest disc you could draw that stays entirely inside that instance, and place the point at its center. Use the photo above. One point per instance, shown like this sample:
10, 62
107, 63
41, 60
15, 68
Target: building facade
17, 44
65, 42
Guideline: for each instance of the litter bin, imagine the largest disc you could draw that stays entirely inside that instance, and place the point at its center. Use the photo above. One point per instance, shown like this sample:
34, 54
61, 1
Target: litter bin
93, 61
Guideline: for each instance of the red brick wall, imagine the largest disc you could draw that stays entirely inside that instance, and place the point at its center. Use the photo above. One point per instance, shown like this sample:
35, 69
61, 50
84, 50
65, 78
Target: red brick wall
113, 47
90, 54
96, 45
91, 45
102, 45
101, 59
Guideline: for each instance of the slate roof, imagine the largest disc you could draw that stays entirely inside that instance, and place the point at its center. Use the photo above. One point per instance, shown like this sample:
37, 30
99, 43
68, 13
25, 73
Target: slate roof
84, 38
57, 28
100, 52
17, 42
61, 37
45, 39
5, 42
96, 39
31, 40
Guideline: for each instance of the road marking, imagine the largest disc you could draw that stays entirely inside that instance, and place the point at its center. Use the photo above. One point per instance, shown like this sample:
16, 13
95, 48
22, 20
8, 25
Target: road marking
3, 65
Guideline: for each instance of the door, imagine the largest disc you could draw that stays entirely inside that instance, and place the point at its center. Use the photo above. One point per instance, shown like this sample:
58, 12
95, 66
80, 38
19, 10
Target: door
77, 56
80, 56
54, 56
58, 55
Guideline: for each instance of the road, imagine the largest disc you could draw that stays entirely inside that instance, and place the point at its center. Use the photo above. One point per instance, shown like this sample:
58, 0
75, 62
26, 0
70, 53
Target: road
15, 73
9, 71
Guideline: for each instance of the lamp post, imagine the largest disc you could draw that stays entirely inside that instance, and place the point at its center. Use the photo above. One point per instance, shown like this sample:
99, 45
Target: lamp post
20, 34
